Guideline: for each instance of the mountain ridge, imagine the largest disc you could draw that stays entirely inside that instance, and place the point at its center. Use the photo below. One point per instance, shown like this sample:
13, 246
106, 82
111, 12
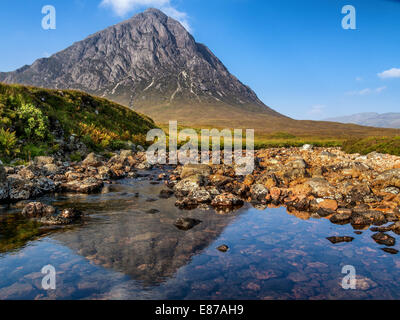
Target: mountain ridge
372, 119
147, 61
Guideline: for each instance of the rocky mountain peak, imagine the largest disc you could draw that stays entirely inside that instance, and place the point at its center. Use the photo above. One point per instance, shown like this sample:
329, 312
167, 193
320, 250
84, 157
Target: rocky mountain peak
150, 63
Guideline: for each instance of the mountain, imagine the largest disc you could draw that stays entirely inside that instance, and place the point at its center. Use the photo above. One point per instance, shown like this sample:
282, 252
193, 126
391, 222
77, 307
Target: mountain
149, 63
372, 119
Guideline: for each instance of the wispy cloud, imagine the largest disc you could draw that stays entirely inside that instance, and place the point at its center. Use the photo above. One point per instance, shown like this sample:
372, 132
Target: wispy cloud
317, 110
124, 7
367, 91
391, 73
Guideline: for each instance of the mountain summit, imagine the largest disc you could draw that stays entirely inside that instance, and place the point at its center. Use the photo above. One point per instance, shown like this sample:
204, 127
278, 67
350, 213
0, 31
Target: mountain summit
151, 64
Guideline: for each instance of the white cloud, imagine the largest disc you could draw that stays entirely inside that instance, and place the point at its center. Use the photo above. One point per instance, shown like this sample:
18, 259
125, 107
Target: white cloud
391, 73
367, 91
182, 17
317, 109
124, 7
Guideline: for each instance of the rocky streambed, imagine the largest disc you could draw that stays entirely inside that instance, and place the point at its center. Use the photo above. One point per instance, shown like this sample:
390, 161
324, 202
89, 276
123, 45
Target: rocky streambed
146, 231
314, 182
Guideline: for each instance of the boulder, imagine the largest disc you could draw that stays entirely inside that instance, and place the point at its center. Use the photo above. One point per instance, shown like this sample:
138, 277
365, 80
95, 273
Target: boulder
41, 161
384, 239
195, 169
86, 186
188, 185
38, 210
321, 188
226, 200
49, 215
92, 160
259, 193
389, 178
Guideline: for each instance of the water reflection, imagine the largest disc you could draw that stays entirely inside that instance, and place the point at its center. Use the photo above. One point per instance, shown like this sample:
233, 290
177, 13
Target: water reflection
129, 248
138, 236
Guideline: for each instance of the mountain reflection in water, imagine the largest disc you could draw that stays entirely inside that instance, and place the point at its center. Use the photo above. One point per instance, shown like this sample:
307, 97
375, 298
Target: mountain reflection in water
129, 248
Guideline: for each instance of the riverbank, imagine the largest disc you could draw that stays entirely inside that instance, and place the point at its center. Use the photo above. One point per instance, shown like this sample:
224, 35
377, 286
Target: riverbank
324, 182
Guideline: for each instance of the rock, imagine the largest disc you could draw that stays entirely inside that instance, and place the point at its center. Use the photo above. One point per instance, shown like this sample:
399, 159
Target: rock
38, 210
92, 160
200, 196
389, 178
392, 190
125, 154
19, 188
259, 193
103, 173
368, 218
71, 214
226, 200
223, 248
41, 161
340, 218
360, 193
219, 180
307, 147
295, 169
189, 184
335, 240
186, 223
195, 169
331, 205
152, 211
390, 250
86, 186
248, 180
166, 194
384, 239
321, 188
26, 174
3, 174
51, 168
275, 194
49, 215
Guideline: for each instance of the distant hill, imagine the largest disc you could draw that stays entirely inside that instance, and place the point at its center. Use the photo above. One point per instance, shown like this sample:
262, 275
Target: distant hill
372, 119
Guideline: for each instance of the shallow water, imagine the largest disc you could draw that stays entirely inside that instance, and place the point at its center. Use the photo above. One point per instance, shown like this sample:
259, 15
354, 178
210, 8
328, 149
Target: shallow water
124, 251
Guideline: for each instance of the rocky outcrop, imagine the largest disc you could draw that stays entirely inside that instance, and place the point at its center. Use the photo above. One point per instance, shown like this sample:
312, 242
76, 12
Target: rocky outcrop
49, 215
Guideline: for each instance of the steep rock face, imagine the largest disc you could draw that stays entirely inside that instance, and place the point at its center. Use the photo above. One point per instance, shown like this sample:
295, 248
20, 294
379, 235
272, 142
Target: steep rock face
149, 61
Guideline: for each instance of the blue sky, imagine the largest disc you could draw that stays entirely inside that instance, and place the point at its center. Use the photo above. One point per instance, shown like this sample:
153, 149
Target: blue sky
294, 54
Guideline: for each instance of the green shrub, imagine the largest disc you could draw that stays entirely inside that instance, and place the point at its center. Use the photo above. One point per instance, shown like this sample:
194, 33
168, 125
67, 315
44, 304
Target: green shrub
8, 143
31, 151
75, 157
35, 123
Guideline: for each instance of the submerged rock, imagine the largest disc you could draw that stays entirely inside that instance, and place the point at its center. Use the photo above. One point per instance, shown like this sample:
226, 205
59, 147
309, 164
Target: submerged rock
48, 214
186, 223
335, 240
385, 239
223, 248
